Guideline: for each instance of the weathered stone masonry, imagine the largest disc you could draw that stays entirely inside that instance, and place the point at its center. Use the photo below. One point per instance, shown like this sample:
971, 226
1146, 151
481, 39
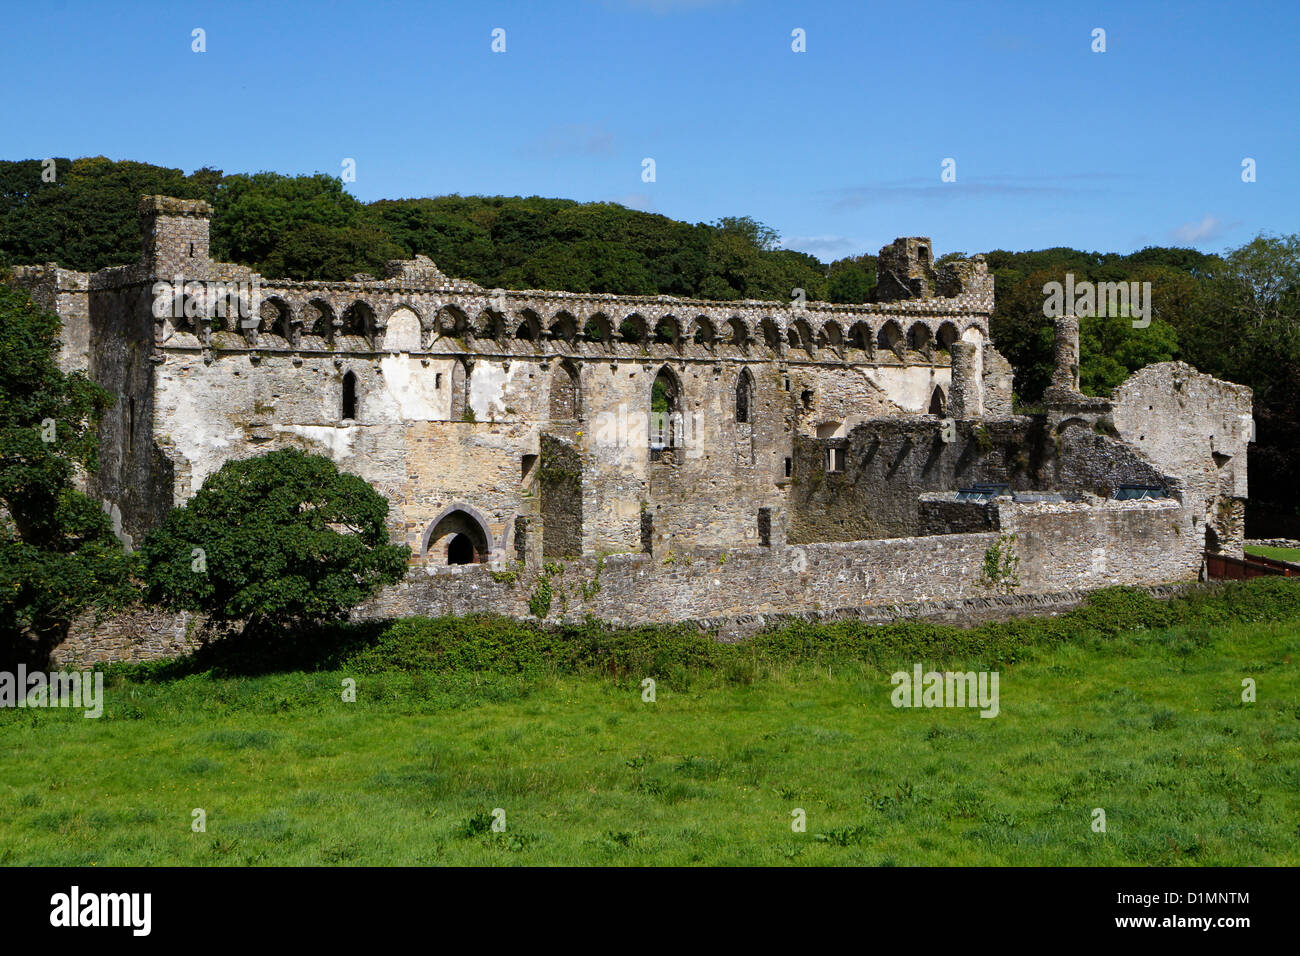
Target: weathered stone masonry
658, 432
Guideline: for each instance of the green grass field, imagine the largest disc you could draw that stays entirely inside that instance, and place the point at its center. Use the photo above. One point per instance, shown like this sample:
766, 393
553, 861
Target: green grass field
1147, 725
1281, 554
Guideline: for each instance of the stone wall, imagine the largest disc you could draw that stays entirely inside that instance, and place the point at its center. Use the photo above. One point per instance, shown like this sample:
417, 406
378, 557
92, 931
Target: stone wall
1199, 428
132, 635
1060, 546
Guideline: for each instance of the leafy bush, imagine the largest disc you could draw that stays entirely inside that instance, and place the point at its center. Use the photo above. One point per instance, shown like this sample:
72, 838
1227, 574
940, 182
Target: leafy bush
279, 539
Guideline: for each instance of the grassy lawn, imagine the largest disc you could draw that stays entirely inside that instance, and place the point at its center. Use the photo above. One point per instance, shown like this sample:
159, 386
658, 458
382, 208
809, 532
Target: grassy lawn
1281, 554
1148, 725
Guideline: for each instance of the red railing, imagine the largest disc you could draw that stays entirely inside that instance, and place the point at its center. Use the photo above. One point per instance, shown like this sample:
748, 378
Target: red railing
1226, 567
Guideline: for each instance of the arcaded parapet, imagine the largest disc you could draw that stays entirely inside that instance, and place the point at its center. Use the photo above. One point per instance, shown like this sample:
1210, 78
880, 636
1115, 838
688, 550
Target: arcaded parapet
1196, 427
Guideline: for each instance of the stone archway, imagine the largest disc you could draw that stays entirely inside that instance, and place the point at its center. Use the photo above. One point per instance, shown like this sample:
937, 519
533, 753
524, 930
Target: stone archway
459, 535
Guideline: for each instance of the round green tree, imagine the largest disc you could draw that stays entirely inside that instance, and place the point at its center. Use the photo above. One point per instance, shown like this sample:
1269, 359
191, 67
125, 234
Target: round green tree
279, 539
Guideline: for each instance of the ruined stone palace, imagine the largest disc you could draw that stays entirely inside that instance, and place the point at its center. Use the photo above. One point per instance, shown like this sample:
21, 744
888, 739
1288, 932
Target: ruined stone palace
655, 458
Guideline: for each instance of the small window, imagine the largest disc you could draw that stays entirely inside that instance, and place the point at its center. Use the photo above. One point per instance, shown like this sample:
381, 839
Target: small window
789, 467
834, 459
527, 469
130, 424
787, 383
350, 396
744, 395
437, 380
191, 250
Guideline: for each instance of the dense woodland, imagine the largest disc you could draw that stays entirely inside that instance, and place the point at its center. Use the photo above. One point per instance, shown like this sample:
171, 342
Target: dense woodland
1236, 316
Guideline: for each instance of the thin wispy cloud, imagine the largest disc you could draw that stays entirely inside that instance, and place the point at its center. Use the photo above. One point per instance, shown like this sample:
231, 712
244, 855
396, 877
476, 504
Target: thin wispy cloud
1209, 228
911, 190
573, 139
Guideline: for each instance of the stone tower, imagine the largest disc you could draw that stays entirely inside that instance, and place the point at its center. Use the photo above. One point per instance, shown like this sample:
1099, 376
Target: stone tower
905, 270
175, 236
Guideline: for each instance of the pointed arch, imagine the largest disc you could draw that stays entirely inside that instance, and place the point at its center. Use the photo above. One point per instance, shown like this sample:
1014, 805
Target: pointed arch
359, 319
565, 397
938, 402
744, 398
831, 335
598, 329
451, 321
530, 326
458, 535
771, 333
665, 411
800, 335
459, 390
739, 332
273, 317
491, 324
402, 333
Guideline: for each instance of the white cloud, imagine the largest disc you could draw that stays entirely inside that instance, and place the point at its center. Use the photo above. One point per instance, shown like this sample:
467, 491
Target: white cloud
1189, 233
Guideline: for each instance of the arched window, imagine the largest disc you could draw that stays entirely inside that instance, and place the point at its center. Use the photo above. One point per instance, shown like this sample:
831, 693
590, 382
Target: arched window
744, 397
459, 391
564, 404
349, 396
665, 413
937, 402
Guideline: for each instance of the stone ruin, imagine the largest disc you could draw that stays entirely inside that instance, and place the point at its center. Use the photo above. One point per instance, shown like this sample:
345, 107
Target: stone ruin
701, 459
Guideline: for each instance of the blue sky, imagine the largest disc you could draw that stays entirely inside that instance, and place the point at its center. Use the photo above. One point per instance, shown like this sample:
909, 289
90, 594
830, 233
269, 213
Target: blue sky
838, 148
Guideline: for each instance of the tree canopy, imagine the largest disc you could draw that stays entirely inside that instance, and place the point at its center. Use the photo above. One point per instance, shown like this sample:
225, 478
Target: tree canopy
280, 538
58, 553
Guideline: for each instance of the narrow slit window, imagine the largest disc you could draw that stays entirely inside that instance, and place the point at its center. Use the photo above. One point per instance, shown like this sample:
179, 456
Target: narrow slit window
350, 396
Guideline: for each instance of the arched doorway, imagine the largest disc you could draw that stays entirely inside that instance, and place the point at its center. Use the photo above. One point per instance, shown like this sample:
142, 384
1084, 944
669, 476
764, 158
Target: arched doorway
460, 550
458, 537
